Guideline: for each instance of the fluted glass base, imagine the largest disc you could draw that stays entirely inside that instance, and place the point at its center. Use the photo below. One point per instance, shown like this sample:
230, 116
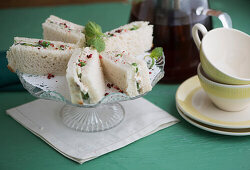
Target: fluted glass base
102, 117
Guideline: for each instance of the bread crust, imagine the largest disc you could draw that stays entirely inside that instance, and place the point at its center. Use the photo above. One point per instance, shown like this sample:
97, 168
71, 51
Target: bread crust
58, 29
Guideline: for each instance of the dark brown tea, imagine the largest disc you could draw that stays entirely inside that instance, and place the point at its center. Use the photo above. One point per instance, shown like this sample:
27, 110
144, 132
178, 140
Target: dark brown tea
173, 32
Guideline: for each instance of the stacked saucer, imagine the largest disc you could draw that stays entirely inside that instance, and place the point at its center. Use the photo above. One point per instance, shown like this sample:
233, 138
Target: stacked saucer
195, 106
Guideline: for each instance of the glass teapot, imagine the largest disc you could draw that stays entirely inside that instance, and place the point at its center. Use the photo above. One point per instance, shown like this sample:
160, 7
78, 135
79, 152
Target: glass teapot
173, 21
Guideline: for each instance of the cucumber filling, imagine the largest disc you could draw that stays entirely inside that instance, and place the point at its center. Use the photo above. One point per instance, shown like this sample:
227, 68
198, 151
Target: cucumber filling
85, 96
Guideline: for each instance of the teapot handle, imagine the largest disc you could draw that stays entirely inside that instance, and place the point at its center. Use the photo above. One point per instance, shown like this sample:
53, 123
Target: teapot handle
195, 29
223, 17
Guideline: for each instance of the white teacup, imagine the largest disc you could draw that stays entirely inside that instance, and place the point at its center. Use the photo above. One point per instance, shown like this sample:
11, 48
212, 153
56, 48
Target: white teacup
224, 54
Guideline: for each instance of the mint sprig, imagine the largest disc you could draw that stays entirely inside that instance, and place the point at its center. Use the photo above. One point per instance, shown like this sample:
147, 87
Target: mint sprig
155, 54
94, 36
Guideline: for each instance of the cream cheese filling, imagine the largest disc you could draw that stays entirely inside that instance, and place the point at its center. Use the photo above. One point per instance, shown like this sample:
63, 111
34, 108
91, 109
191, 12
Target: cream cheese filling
78, 75
138, 78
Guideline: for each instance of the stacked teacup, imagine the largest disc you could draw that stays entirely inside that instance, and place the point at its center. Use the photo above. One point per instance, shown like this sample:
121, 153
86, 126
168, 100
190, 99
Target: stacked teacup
224, 72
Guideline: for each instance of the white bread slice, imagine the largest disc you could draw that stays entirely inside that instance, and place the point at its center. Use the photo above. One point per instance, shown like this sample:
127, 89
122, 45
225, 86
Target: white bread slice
57, 29
126, 71
28, 56
135, 38
87, 79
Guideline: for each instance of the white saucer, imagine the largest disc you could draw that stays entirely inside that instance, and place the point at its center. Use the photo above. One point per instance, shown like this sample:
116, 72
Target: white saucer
192, 100
213, 129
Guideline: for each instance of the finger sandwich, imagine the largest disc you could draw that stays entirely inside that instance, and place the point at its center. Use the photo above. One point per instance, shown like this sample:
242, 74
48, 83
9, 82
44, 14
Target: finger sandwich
41, 57
134, 38
57, 29
85, 77
127, 72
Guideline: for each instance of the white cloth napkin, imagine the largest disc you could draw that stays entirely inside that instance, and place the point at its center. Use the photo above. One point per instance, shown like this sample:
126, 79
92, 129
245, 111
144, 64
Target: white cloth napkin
42, 118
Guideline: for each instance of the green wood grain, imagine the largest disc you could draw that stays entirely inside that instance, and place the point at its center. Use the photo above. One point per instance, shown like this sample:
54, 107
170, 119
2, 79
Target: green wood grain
181, 146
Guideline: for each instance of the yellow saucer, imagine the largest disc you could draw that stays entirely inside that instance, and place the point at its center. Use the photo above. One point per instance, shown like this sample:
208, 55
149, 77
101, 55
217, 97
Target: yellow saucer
192, 100
213, 129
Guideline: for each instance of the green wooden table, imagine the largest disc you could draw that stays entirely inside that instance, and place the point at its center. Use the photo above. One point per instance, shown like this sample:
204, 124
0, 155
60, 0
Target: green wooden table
181, 146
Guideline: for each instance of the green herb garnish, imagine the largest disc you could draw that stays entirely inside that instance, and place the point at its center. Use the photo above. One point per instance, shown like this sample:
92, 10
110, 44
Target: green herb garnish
135, 27
44, 43
92, 29
80, 75
81, 64
96, 42
155, 54
136, 68
138, 86
85, 96
134, 64
26, 44
94, 36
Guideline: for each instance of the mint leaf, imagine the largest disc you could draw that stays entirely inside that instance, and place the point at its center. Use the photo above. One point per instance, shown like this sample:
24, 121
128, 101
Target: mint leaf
97, 43
156, 53
92, 29
94, 36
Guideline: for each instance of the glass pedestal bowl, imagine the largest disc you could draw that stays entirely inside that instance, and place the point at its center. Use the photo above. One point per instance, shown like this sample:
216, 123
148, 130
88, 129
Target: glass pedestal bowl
103, 115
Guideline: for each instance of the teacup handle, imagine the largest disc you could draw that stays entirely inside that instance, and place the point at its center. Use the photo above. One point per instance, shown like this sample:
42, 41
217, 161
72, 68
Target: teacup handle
195, 29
